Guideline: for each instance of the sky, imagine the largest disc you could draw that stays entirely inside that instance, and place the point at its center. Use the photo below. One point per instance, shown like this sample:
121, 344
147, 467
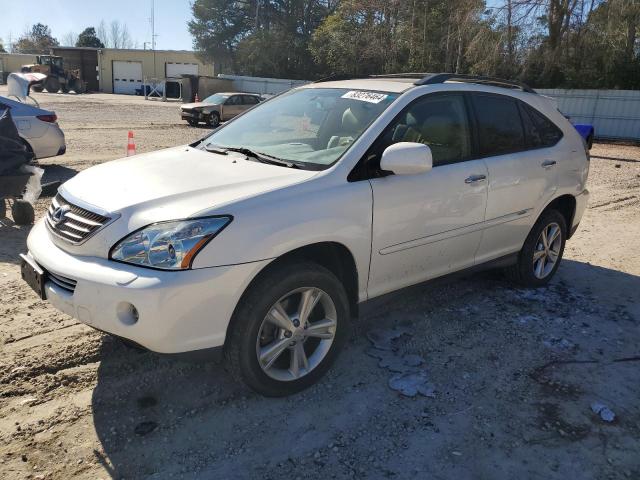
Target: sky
63, 16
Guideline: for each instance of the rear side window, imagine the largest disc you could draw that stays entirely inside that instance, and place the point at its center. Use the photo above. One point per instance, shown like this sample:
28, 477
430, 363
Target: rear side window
250, 100
540, 131
499, 125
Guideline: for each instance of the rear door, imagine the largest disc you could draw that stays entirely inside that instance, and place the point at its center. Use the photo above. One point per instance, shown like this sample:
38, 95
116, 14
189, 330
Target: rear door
248, 101
429, 224
232, 107
522, 172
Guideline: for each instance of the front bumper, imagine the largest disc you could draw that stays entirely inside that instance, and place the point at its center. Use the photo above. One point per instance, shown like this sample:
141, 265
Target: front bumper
177, 311
191, 115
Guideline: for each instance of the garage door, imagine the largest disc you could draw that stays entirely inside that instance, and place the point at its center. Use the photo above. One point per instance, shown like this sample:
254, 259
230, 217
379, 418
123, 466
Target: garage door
175, 70
127, 76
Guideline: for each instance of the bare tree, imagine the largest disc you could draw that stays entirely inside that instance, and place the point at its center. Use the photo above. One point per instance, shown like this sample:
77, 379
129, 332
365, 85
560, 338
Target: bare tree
102, 34
69, 39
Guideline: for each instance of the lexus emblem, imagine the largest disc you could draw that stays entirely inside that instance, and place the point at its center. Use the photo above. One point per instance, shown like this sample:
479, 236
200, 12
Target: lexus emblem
59, 214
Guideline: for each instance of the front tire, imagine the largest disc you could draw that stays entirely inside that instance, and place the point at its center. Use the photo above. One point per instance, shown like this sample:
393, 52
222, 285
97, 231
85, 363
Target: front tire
192, 122
214, 120
52, 84
288, 329
542, 251
22, 212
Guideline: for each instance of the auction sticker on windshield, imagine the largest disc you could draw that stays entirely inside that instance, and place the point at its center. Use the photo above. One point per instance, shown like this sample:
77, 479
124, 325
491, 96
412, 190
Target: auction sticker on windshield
371, 97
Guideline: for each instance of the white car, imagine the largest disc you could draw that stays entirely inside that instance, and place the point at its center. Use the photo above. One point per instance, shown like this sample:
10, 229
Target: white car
261, 240
37, 127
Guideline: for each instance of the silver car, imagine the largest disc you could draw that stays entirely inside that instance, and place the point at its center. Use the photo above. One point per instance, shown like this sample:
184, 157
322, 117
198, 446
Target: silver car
37, 127
218, 107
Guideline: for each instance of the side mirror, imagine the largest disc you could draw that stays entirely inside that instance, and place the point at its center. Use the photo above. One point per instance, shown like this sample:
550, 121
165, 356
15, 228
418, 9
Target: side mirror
407, 158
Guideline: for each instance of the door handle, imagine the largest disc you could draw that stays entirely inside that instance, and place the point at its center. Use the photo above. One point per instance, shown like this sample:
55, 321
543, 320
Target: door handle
548, 163
475, 178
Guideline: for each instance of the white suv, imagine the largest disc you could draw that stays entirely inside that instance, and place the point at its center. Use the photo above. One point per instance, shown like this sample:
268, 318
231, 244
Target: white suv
261, 240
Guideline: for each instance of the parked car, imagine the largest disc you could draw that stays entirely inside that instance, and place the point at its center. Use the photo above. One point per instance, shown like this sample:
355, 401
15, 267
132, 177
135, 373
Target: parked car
37, 127
587, 132
217, 108
260, 241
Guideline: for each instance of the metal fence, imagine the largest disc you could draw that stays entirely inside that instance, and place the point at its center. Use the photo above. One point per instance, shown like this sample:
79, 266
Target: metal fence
262, 85
615, 114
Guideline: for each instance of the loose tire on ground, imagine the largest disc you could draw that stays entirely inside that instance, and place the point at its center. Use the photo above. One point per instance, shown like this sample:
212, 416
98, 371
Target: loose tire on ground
247, 338
22, 212
525, 272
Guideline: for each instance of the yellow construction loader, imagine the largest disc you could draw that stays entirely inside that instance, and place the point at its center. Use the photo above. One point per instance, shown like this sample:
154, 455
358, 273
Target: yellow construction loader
57, 77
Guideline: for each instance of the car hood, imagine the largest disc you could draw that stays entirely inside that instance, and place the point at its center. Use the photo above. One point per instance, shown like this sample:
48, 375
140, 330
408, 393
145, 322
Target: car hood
197, 105
175, 183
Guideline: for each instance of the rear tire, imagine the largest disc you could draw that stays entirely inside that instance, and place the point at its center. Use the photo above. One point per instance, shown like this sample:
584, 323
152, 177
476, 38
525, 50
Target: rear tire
37, 88
22, 212
542, 251
278, 358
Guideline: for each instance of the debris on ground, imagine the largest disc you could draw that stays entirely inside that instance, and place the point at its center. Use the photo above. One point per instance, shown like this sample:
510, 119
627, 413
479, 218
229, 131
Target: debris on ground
603, 411
412, 384
382, 338
409, 379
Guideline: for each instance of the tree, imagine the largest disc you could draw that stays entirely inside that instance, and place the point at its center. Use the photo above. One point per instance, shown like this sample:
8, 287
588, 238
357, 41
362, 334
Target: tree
69, 39
547, 43
2, 50
88, 38
116, 35
37, 40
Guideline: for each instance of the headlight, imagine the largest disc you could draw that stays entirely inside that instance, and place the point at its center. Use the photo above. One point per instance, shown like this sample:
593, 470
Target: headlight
168, 245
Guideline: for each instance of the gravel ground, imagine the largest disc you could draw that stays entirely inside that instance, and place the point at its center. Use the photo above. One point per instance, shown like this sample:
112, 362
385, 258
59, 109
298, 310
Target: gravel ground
513, 381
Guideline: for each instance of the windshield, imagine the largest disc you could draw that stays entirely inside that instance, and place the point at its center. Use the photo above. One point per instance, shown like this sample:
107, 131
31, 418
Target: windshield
312, 126
215, 98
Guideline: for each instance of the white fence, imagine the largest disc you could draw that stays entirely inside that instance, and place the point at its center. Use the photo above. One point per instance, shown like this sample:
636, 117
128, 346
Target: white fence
261, 85
615, 114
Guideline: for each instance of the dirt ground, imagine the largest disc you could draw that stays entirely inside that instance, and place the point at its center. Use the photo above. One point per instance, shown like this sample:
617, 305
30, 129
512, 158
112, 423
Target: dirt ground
514, 372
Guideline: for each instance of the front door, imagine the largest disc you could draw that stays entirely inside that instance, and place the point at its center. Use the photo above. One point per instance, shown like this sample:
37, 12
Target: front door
426, 225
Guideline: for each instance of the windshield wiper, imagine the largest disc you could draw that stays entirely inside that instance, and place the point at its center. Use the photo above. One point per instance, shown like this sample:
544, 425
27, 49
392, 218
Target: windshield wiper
261, 157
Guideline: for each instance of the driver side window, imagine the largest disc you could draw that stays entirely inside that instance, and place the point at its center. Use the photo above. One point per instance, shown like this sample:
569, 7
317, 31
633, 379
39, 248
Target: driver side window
438, 121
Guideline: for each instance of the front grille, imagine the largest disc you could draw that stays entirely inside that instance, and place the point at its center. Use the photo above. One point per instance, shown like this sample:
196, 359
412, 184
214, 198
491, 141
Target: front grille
72, 223
65, 283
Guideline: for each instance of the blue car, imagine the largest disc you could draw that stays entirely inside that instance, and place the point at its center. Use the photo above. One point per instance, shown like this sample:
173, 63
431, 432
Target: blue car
587, 132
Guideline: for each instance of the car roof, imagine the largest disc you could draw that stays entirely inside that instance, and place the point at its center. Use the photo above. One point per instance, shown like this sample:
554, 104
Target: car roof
236, 93
395, 85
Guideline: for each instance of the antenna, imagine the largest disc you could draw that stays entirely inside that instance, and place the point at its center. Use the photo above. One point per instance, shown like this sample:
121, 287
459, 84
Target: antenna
153, 25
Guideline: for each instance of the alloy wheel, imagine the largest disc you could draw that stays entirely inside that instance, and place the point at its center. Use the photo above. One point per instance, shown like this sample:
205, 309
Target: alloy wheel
296, 334
547, 250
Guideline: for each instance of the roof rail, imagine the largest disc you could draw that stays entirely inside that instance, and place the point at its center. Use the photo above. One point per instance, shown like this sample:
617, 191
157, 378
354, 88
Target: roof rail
334, 77
344, 76
435, 78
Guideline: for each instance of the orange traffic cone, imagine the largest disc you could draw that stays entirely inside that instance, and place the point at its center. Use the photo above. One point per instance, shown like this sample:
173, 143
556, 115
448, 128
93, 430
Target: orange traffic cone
197, 99
131, 146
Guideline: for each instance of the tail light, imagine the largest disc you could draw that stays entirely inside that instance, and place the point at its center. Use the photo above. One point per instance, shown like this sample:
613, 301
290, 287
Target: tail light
48, 118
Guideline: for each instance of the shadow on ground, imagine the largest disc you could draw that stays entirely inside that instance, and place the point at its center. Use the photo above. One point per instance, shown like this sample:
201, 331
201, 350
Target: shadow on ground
510, 402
